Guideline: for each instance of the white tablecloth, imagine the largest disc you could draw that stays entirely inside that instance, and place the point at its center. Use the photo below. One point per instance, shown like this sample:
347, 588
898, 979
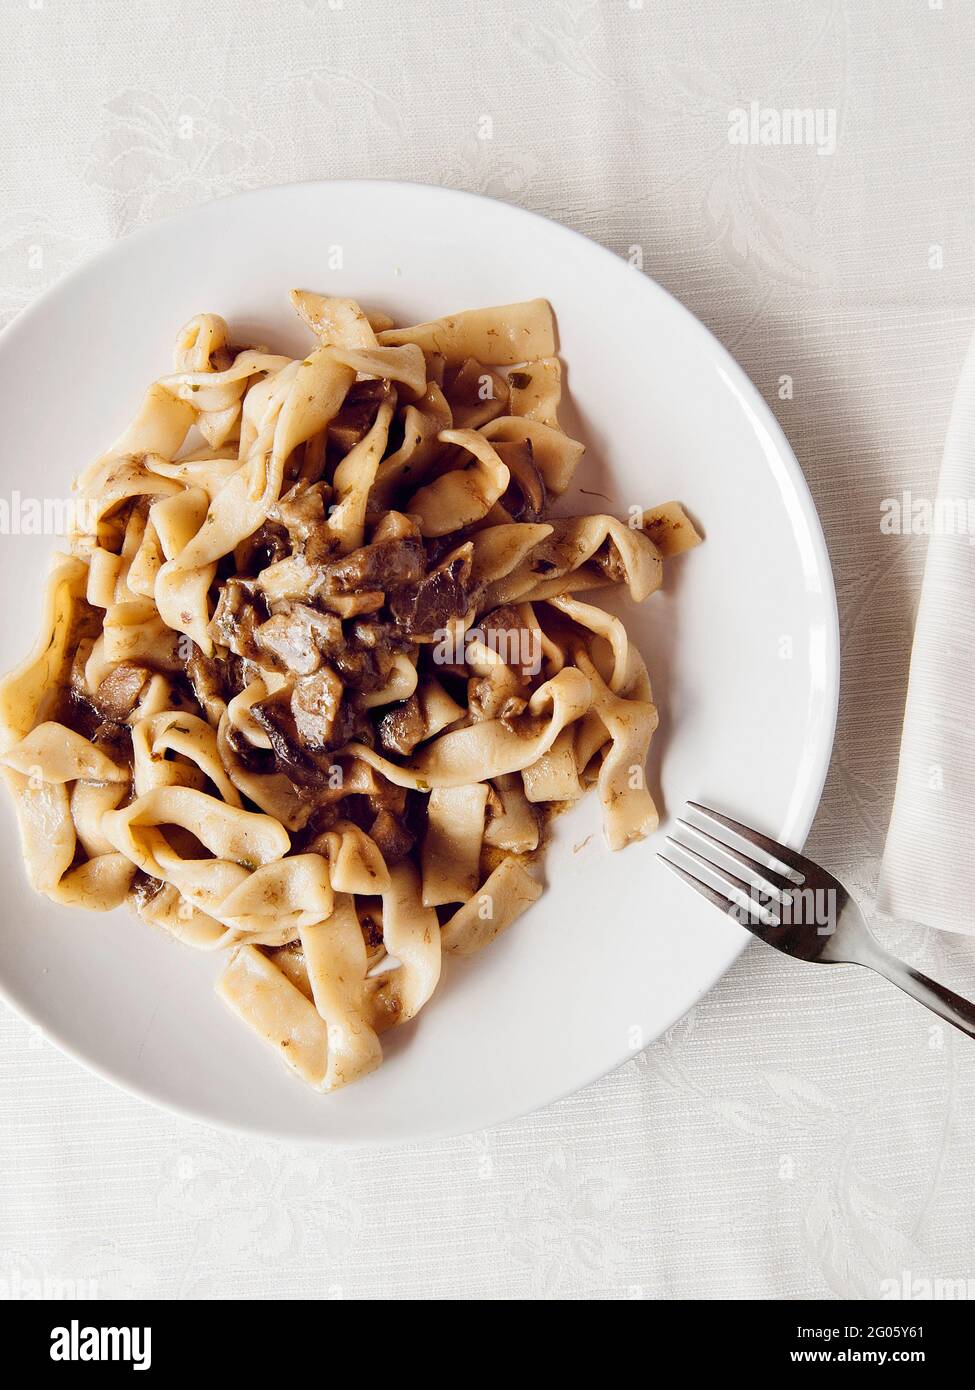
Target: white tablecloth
801, 1133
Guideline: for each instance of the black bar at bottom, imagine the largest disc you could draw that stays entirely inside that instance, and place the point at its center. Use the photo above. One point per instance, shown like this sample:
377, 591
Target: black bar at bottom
171, 1340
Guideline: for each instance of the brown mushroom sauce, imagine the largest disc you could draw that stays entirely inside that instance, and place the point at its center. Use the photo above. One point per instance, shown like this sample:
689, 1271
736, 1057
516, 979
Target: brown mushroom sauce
408, 589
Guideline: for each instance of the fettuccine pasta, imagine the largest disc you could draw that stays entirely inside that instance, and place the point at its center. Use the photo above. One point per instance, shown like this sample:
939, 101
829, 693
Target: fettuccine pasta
322, 662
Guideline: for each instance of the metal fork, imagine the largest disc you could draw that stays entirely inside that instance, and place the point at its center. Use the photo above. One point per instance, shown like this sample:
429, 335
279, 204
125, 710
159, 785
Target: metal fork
797, 907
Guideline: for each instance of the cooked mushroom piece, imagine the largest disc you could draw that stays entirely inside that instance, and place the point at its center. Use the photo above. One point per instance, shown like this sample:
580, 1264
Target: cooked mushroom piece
302, 510
251, 758
240, 611
439, 597
305, 763
119, 692
380, 636
297, 637
144, 888
266, 546
393, 838
357, 415
389, 565
476, 394
315, 704
525, 497
363, 668
402, 728
206, 679
115, 739
610, 561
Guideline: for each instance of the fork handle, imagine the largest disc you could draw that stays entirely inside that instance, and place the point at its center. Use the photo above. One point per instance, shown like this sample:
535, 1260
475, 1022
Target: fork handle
938, 998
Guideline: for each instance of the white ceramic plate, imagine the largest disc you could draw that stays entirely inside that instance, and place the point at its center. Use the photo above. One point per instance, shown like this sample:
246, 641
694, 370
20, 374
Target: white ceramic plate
742, 647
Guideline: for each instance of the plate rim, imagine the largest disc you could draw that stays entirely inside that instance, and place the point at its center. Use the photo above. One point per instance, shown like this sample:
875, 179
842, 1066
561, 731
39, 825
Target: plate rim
831, 658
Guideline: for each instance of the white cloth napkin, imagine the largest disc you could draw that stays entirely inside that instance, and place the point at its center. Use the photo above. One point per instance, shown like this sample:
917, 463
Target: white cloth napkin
928, 872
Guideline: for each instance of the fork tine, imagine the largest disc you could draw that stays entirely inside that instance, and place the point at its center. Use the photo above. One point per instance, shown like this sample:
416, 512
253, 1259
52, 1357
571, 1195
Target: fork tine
769, 876
705, 889
788, 857
746, 897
